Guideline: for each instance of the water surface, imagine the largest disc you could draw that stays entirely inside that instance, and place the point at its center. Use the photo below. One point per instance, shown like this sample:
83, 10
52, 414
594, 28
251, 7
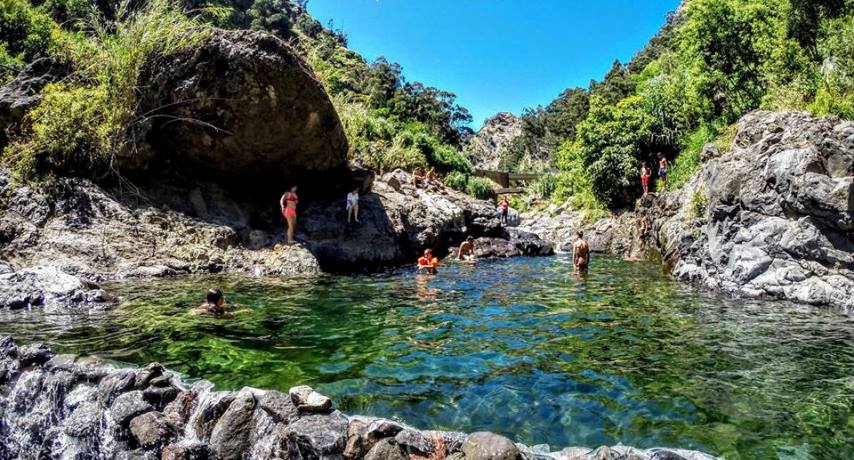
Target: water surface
519, 346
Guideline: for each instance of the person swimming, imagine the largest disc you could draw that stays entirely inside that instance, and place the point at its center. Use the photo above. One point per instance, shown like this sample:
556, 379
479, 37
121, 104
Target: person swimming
580, 253
428, 262
214, 305
466, 251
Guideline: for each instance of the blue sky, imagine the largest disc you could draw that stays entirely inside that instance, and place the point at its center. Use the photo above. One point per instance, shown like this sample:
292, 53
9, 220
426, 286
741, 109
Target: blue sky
498, 55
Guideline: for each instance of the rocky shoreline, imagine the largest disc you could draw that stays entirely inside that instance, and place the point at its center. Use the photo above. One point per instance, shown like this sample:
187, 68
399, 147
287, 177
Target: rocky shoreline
773, 217
62, 406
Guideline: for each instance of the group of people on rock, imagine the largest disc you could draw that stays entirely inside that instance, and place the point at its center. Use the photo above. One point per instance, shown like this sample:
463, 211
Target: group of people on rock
663, 167
288, 204
430, 180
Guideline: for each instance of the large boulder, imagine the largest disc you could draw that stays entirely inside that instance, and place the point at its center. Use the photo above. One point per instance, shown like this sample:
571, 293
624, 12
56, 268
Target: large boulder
486, 148
240, 105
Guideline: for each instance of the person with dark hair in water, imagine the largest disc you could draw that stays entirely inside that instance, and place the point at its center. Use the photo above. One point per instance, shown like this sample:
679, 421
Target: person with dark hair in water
466, 251
580, 253
214, 304
288, 203
428, 262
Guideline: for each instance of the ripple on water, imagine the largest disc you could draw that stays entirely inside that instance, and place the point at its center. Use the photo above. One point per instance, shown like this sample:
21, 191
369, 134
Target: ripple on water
522, 347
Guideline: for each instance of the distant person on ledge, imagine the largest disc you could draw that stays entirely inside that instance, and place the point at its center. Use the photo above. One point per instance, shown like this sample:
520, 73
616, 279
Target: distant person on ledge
418, 178
466, 251
580, 253
428, 262
503, 209
288, 203
663, 166
353, 205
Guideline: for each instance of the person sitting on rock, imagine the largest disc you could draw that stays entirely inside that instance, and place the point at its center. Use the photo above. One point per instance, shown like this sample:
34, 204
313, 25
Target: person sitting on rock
466, 251
433, 178
353, 205
580, 253
428, 262
214, 305
418, 177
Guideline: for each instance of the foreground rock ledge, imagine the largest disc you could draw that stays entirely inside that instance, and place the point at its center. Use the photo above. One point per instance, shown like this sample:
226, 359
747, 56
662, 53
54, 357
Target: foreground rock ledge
62, 406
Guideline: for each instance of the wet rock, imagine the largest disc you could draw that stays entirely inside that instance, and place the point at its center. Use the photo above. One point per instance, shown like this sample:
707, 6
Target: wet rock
386, 449
604, 453
317, 436
230, 436
84, 421
280, 406
414, 441
152, 430
160, 396
162, 381
355, 446
34, 355
489, 446
127, 406
144, 376
308, 400
183, 451
45, 287
178, 411
113, 385
664, 454
265, 117
382, 428
210, 414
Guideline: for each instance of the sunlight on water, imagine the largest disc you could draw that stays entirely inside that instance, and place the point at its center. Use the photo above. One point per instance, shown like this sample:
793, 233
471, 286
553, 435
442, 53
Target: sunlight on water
520, 346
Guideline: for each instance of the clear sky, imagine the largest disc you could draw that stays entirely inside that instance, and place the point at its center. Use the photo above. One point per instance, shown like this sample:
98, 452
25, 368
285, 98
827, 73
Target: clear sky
498, 55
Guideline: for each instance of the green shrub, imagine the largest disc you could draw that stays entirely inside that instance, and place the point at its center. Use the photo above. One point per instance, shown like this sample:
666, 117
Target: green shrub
457, 180
688, 162
83, 123
545, 186
480, 187
697, 204
25, 32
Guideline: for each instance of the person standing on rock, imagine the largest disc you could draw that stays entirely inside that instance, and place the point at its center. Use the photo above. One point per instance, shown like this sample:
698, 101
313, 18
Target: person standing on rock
663, 166
466, 251
580, 253
288, 203
353, 205
503, 208
645, 174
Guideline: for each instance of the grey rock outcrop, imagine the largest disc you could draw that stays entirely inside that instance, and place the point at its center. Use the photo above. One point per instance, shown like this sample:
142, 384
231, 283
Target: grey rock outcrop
239, 106
49, 288
489, 145
52, 409
773, 217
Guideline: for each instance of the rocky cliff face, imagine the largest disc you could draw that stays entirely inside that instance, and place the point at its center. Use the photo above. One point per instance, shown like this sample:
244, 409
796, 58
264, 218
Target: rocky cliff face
62, 406
486, 148
773, 217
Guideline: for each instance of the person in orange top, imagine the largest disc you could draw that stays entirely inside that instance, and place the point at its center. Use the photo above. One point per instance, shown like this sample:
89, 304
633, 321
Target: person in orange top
428, 262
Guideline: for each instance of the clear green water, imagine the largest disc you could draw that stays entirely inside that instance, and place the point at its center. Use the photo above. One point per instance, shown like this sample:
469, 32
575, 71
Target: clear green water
519, 346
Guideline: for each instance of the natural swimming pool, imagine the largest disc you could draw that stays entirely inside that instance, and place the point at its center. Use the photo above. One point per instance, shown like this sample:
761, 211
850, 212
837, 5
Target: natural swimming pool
519, 346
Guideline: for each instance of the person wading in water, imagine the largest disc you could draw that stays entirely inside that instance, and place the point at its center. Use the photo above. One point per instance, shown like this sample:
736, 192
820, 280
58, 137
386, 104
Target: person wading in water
428, 262
466, 252
580, 253
288, 203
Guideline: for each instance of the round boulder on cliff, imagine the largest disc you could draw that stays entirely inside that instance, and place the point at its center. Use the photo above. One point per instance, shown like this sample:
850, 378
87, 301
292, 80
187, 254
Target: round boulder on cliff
240, 105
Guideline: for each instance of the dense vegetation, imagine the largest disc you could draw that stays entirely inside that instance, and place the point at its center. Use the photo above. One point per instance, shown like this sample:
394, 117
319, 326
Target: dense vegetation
390, 122
713, 61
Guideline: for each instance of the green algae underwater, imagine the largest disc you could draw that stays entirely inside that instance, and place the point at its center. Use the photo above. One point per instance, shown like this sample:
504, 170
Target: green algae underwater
520, 346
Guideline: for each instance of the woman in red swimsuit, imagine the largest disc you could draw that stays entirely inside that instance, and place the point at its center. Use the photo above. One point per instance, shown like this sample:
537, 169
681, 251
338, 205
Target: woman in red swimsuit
288, 203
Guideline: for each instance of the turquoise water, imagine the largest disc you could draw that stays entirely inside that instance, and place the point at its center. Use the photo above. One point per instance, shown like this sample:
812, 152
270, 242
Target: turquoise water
520, 346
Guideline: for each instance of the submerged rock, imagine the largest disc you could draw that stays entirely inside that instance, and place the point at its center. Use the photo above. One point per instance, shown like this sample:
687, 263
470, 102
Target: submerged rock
49, 409
49, 288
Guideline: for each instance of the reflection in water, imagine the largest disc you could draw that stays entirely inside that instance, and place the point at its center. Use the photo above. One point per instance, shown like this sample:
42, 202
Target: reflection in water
520, 346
